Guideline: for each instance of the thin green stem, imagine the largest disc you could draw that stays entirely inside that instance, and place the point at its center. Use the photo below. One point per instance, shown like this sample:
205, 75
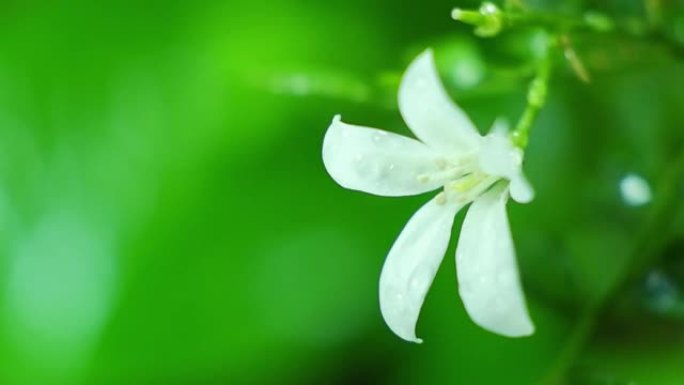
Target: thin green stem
590, 21
648, 245
582, 331
536, 98
490, 21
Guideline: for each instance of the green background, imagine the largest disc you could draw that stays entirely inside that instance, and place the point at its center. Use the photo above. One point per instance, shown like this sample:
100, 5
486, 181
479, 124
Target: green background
165, 217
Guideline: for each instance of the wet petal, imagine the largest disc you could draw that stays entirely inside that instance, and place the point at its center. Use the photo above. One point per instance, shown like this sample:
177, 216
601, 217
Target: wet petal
487, 269
378, 162
412, 264
429, 111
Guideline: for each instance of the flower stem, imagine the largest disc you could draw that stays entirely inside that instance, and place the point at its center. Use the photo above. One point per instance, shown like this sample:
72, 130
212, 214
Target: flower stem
647, 247
536, 98
581, 332
489, 21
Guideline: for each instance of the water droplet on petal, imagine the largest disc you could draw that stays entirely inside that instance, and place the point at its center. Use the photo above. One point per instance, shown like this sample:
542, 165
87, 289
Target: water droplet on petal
378, 136
506, 278
419, 282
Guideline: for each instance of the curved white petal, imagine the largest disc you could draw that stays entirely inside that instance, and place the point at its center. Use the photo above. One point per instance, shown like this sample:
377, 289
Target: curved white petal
521, 190
487, 270
429, 111
499, 157
500, 127
412, 264
378, 162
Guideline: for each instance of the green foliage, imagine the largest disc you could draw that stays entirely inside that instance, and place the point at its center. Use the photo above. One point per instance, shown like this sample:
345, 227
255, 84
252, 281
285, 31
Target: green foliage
165, 216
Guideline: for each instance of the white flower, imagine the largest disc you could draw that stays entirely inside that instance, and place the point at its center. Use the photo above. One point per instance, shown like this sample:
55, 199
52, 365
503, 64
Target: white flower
451, 155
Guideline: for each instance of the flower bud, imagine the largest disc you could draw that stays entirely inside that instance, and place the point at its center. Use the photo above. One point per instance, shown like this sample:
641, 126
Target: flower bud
488, 19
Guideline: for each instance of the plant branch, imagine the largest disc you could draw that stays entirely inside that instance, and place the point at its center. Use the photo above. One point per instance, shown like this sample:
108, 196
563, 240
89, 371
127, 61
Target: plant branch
647, 247
536, 98
489, 21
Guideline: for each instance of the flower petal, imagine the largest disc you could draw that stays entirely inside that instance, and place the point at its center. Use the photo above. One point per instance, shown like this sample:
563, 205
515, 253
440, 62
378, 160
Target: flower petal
378, 162
429, 111
499, 157
412, 264
487, 270
521, 190
500, 127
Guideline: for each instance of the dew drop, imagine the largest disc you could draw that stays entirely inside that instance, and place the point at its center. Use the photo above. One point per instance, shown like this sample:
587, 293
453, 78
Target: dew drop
378, 136
505, 278
419, 281
498, 306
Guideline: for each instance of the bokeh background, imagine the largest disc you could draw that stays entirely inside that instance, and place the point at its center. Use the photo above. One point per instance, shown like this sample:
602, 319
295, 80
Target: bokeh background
165, 217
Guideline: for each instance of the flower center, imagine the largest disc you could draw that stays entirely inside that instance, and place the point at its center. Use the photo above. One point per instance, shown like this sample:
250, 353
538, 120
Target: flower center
463, 179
